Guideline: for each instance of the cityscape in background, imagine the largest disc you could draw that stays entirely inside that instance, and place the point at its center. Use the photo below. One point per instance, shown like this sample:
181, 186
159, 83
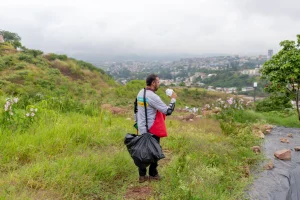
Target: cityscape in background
190, 71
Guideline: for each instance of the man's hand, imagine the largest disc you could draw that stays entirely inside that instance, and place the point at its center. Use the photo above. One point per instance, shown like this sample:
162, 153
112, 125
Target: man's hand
174, 95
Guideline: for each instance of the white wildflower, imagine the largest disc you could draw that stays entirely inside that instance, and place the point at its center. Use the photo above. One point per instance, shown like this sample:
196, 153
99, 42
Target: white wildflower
16, 100
32, 114
27, 114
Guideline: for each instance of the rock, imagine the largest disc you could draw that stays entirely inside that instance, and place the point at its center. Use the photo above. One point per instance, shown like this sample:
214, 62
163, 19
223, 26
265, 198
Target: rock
256, 149
128, 118
188, 117
290, 135
216, 111
116, 110
268, 127
284, 140
297, 148
261, 134
284, 154
268, 131
247, 171
269, 166
191, 120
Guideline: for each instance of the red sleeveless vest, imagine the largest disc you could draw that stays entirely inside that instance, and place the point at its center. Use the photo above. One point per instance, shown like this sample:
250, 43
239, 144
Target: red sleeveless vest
159, 127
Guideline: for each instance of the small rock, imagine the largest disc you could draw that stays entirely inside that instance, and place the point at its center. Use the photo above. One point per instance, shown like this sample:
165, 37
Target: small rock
128, 118
284, 140
290, 135
256, 149
191, 120
297, 148
261, 135
268, 127
269, 166
268, 131
247, 171
284, 154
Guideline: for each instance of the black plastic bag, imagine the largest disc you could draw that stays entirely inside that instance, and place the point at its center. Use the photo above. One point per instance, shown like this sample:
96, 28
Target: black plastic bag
143, 148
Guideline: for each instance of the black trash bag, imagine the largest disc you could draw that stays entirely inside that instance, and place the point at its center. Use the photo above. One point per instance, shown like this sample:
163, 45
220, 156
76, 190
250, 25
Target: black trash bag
143, 148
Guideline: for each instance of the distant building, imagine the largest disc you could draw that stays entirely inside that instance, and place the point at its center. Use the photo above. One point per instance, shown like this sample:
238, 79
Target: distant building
245, 89
219, 89
251, 72
1, 38
270, 54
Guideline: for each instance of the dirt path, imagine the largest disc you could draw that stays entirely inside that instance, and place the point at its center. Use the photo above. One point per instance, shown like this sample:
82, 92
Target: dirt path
144, 191
283, 181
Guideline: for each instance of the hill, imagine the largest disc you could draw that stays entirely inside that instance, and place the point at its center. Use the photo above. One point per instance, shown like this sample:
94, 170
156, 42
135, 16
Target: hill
37, 77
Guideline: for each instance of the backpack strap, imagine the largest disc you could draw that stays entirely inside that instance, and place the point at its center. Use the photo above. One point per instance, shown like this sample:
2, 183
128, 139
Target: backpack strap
145, 110
135, 106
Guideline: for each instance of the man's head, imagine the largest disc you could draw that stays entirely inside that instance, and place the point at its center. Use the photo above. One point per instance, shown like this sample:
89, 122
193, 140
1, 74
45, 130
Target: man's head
152, 81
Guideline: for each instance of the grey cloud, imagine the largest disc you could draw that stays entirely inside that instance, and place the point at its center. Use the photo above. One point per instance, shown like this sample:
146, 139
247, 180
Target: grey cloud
153, 27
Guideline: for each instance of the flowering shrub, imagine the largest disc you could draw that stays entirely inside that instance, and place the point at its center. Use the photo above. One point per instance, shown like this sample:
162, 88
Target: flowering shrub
14, 117
226, 108
230, 103
9, 109
30, 115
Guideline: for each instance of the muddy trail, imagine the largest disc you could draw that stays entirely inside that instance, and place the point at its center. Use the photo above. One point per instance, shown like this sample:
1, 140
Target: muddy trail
283, 181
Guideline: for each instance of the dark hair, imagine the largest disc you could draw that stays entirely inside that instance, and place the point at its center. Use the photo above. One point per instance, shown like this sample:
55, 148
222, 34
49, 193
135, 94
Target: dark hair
150, 79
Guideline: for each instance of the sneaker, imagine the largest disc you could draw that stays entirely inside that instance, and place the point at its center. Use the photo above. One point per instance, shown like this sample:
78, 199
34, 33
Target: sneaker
143, 179
155, 178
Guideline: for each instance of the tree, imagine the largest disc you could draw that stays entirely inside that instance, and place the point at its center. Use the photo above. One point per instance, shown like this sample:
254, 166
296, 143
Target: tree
12, 38
33, 52
283, 71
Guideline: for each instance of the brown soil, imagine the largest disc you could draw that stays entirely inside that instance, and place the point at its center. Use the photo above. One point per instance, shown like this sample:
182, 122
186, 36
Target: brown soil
138, 193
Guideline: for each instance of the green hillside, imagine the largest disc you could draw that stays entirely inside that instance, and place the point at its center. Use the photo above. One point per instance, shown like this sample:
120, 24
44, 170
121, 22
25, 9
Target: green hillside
36, 77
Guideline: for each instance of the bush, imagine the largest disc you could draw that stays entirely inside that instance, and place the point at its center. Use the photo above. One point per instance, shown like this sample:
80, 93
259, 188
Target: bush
273, 103
26, 57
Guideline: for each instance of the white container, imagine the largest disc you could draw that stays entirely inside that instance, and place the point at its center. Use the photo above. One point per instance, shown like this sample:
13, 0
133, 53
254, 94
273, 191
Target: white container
169, 92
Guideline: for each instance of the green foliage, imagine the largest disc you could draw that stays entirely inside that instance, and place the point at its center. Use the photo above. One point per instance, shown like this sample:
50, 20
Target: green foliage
182, 84
53, 56
33, 52
7, 61
229, 79
12, 38
26, 57
283, 71
89, 66
273, 103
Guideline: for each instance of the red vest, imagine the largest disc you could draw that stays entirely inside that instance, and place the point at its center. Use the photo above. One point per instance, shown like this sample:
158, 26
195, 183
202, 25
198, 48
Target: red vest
159, 127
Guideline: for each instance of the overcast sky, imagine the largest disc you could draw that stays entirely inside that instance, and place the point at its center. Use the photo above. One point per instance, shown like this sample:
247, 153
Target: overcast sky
156, 27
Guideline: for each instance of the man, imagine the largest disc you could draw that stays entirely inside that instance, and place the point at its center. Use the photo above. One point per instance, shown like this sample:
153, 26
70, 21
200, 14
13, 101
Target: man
156, 112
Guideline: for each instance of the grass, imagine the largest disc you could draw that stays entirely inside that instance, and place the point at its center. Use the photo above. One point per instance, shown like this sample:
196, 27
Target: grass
288, 119
75, 156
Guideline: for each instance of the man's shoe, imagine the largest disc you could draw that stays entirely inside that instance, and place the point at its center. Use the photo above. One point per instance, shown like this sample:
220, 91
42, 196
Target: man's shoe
143, 179
154, 178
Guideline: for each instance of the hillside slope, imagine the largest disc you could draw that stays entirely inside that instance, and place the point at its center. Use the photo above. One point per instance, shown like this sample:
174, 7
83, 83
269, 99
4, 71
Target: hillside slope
29, 72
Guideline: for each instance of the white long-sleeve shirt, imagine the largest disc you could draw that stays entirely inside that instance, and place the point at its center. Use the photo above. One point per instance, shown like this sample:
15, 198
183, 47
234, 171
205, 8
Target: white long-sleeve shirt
153, 103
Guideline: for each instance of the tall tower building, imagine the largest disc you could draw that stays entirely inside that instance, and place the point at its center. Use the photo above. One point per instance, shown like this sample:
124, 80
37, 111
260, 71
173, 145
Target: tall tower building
270, 54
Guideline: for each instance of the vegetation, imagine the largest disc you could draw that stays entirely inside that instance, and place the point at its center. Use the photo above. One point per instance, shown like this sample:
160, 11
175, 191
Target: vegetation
13, 38
283, 71
59, 141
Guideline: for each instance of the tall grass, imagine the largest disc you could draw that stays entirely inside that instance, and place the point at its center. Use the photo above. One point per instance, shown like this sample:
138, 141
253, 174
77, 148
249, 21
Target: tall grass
77, 156
287, 118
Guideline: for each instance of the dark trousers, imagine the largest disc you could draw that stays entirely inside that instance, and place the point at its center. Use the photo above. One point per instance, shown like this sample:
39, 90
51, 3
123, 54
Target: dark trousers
143, 167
